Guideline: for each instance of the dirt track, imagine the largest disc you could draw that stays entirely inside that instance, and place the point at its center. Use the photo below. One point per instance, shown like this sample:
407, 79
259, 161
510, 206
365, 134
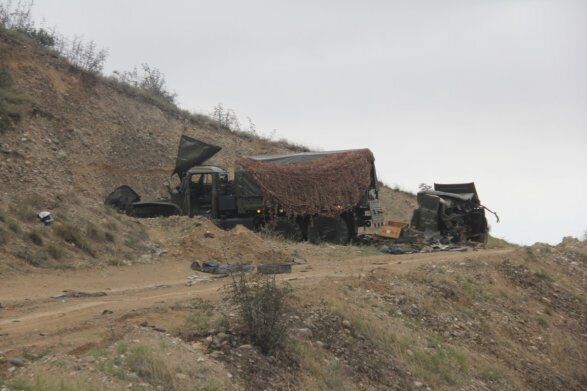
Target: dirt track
30, 316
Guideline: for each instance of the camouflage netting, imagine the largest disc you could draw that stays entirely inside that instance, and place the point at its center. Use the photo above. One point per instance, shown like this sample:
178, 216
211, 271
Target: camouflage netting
327, 185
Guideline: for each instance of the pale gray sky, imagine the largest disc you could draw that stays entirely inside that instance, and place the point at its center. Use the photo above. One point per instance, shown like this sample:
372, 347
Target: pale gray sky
488, 91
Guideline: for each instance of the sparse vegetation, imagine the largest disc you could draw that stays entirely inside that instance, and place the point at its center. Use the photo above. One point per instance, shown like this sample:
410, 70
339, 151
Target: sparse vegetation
148, 367
10, 103
150, 80
4, 235
55, 251
203, 319
544, 275
35, 237
17, 18
262, 308
72, 234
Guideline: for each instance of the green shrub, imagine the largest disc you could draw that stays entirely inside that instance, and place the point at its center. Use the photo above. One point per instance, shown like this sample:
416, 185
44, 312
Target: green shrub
262, 309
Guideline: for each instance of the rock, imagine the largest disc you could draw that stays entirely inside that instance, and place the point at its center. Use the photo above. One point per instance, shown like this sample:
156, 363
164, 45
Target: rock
346, 324
181, 376
418, 384
17, 361
322, 345
246, 347
222, 337
305, 333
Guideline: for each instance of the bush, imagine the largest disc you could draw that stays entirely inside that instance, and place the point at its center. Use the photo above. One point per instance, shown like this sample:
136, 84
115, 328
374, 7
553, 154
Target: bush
262, 309
148, 79
17, 16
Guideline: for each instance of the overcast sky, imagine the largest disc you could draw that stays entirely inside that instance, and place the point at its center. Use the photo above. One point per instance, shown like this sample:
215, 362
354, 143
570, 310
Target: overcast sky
491, 91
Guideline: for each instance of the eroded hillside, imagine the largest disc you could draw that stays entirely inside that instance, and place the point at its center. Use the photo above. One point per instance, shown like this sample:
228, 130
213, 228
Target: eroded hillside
76, 136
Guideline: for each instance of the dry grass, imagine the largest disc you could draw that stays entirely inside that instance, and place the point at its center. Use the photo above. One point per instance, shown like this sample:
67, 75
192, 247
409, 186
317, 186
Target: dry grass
73, 235
204, 319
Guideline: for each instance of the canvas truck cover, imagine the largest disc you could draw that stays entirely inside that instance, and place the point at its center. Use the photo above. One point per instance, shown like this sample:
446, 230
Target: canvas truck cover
323, 183
192, 152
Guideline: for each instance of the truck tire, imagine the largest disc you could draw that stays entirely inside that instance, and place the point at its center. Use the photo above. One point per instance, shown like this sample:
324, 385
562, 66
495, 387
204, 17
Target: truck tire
327, 229
285, 228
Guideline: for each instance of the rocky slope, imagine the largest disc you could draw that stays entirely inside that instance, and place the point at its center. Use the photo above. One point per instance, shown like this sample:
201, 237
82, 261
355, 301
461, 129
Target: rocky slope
79, 136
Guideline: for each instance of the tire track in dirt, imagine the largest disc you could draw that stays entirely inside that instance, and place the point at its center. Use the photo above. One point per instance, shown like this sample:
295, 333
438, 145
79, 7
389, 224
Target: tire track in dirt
48, 322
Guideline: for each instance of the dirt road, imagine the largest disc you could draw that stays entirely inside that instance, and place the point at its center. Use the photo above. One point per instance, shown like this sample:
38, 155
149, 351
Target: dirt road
30, 317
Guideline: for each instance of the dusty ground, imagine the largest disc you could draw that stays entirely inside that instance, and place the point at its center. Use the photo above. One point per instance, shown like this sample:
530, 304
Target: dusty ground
511, 318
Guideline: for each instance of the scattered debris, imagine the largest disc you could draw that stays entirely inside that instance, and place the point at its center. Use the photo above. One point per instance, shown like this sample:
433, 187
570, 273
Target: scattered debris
209, 235
299, 261
45, 217
77, 294
392, 230
194, 279
222, 268
274, 268
17, 361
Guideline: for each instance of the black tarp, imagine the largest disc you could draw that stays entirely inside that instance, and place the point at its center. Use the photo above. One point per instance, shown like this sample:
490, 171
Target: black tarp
192, 152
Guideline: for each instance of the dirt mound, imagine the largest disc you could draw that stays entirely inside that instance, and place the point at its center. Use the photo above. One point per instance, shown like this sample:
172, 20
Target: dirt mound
198, 239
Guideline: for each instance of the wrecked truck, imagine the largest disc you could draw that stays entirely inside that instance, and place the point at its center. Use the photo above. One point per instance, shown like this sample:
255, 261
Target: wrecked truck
315, 196
452, 212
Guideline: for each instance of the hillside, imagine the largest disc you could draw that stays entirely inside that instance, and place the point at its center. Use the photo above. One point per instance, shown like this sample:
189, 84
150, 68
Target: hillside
79, 136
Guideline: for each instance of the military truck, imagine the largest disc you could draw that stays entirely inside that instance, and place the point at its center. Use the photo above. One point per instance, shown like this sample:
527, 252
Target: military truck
207, 190
452, 211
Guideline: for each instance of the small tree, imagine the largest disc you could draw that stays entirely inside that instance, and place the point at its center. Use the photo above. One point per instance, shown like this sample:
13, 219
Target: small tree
149, 79
262, 309
226, 118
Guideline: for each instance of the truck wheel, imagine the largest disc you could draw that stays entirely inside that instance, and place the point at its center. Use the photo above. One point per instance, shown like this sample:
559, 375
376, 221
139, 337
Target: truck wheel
286, 228
328, 229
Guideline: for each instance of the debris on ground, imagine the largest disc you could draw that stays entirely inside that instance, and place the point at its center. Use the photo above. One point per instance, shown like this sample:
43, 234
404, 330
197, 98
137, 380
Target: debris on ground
194, 279
77, 294
45, 217
214, 267
274, 268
